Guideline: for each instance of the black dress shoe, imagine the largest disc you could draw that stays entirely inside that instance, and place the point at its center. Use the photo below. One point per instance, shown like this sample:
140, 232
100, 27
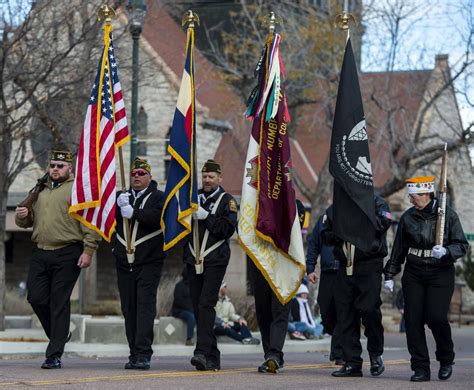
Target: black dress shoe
200, 362
445, 372
142, 364
348, 371
420, 376
212, 366
376, 366
51, 363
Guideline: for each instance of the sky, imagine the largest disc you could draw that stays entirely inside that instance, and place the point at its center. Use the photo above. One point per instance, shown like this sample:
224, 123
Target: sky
428, 28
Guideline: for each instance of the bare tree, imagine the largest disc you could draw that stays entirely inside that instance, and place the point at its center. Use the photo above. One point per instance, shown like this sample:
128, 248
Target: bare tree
45, 56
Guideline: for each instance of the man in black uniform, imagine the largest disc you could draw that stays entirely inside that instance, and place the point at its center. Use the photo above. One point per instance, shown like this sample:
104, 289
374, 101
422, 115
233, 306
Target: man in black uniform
428, 277
272, 315
139, 273
63, 247
327, 286
217, 220
358, 296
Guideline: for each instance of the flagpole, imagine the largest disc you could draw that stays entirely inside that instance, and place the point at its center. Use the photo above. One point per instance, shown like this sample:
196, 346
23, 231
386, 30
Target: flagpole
190, 19
272, 20
342, 22
107, 13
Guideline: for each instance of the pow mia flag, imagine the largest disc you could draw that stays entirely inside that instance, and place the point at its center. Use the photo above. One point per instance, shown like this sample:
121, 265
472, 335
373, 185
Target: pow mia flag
354, 218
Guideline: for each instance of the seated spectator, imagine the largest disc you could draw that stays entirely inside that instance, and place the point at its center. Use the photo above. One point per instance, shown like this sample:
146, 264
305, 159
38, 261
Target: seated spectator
183, 307
301, 320
228, 323
294, 334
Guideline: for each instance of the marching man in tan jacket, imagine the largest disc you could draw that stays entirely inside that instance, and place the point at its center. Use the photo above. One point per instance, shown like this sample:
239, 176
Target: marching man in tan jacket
63, 247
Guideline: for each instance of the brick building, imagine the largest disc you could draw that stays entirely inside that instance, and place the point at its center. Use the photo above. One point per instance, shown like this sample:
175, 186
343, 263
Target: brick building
223, 133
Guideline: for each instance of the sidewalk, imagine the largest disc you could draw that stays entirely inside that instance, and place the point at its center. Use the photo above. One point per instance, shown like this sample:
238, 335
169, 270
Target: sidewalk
31, 348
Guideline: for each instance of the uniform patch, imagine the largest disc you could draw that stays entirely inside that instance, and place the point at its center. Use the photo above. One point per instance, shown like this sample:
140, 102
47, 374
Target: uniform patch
233, 205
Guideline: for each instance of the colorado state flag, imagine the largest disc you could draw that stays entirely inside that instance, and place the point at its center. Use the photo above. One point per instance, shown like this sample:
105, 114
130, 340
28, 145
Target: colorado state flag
181, 187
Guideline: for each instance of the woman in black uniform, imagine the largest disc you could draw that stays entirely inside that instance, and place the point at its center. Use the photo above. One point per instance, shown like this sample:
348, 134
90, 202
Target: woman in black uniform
428, 277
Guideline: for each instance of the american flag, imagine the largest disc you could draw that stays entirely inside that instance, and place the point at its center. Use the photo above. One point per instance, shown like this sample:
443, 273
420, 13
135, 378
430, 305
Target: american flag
105, 129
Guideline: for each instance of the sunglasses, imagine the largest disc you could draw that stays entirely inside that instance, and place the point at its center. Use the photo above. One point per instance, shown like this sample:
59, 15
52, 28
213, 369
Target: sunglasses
411, 196
139, 173
59, 166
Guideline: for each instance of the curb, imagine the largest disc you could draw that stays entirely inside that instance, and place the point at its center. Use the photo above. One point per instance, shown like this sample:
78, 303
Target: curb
21, 350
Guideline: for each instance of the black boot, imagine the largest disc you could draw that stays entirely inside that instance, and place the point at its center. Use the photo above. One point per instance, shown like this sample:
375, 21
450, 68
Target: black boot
445, 371
376, 365
348, 371
51, 363
142, 363
420, 376
200, 362
130, 365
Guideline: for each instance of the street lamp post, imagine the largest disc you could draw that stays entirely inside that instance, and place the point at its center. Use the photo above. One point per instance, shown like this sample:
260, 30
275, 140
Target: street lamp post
136, 13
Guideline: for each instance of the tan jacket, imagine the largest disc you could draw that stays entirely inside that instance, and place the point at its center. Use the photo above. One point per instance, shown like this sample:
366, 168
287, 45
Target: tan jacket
225, 310
53, 228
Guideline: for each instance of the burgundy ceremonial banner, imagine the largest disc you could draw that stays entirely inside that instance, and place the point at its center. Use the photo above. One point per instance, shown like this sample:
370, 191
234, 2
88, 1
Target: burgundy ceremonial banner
276, 197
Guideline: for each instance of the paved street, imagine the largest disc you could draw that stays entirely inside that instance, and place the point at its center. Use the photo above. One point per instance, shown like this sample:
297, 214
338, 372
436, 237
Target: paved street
303, 370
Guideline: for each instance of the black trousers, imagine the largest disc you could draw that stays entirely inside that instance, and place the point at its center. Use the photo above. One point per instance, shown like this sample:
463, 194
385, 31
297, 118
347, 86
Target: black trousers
204, 290
327, 305
51, 279
138, 301
427, 292
358, 298
272, 316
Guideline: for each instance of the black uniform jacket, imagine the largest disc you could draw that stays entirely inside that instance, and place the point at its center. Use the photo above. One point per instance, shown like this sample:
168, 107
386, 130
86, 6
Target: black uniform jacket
221, 226
379, 246
417, 230
149, 221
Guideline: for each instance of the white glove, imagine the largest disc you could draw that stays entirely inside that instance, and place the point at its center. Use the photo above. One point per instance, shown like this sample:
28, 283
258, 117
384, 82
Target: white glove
127, 211
439, 251
388, 284
201, 213
123, 199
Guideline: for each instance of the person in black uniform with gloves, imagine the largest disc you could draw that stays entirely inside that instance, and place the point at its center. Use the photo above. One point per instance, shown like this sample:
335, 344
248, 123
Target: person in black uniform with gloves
139, 274
358, 296
428, 277
327, 286
217, 219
